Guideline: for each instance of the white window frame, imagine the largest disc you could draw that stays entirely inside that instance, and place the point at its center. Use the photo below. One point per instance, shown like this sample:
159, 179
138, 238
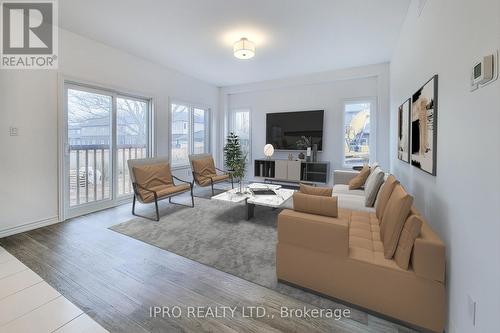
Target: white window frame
373, 127
230, 126
208, 127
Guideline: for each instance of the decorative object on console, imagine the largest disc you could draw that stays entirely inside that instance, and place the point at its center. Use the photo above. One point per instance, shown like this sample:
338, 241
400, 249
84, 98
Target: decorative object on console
404, 114
424, 127
268, 150
301, 156
315, 153
235, 160
290, 157
308, 154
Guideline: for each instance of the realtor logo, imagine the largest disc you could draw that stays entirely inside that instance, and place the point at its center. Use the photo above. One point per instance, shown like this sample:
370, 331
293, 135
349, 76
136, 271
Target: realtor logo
29, 34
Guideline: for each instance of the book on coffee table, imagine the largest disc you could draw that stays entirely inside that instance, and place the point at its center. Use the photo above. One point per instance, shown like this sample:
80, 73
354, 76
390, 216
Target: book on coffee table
263, 191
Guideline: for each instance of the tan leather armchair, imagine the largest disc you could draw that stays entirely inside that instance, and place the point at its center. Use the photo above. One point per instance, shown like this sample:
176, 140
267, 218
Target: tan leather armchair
205, 173
152, 180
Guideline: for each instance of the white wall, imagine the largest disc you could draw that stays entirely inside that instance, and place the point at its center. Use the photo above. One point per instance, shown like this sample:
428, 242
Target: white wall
462, 201
29, 101
323, 91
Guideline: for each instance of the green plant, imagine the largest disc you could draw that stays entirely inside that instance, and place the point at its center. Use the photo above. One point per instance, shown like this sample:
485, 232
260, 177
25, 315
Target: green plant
234, 158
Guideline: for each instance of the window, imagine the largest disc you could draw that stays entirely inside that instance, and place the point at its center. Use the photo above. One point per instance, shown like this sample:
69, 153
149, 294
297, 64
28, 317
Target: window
357, 133
190, 132
239, 124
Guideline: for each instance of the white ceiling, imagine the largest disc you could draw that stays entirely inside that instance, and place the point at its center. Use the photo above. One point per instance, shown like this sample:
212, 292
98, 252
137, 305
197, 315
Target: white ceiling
195, 37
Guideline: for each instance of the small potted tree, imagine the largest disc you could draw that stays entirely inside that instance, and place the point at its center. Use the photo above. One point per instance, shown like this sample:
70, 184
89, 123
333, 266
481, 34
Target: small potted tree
235, 159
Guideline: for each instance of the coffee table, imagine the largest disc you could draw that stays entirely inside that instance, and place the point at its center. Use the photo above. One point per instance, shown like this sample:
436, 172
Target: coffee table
251, 200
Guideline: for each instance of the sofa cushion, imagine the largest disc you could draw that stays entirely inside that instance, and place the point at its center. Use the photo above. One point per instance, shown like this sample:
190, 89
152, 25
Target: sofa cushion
364, 240
393, 220
151, 175
207, 180
314, 232
410, 232
148, 175
314, 190
372, 186
353, 202
315, 204
204, 166
344, 189
385, 194
360, 179
164, 191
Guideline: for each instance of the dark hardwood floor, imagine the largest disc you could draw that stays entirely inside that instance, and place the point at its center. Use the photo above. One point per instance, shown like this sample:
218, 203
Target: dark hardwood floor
116, 279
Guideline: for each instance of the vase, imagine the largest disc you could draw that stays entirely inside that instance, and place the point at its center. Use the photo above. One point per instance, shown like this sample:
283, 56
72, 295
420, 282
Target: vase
239, 187
308, 154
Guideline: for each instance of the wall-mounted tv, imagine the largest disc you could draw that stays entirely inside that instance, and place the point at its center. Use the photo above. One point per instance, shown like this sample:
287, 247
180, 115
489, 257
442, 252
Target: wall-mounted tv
295, 130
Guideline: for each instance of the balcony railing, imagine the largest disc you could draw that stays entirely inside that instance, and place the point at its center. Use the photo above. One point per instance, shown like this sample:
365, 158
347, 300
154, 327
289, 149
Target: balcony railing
90, 178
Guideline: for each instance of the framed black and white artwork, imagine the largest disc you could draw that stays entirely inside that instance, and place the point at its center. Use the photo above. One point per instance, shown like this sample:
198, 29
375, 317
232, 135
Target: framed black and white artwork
404, 131
423, 130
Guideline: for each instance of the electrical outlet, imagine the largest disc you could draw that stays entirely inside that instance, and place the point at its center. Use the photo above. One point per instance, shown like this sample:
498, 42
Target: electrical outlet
472, 309
13, 131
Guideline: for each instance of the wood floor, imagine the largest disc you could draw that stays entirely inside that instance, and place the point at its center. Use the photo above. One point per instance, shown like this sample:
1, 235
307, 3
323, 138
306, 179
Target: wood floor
116, 280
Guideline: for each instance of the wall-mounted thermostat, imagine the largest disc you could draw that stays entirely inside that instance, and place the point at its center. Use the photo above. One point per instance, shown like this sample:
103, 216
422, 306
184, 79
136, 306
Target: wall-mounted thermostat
483, 70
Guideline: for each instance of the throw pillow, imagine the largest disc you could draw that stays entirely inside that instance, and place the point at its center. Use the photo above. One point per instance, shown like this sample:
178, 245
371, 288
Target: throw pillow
395, 214
384, 195
314, 204
372, 186
313, 190
360, 179
408, 236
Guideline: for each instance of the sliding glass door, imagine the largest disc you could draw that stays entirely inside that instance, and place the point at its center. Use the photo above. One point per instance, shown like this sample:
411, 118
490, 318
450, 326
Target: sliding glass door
102, 130
131, 138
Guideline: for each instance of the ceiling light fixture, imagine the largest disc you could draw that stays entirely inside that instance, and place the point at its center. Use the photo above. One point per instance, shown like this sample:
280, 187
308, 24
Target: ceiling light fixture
244, 49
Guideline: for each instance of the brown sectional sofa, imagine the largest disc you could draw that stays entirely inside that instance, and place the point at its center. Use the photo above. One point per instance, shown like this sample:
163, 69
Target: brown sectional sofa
343, 257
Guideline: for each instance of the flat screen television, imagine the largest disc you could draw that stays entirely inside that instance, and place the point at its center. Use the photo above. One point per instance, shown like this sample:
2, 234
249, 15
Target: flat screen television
295, 130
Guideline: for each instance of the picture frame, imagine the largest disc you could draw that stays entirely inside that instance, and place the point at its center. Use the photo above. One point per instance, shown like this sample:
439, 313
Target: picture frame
423, 131
404, 126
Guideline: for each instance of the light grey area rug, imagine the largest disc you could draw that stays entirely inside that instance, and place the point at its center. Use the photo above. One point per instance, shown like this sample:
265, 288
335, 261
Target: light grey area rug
217, 234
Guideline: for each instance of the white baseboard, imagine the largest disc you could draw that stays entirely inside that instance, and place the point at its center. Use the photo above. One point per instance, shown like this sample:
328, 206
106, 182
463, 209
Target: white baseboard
28, 226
